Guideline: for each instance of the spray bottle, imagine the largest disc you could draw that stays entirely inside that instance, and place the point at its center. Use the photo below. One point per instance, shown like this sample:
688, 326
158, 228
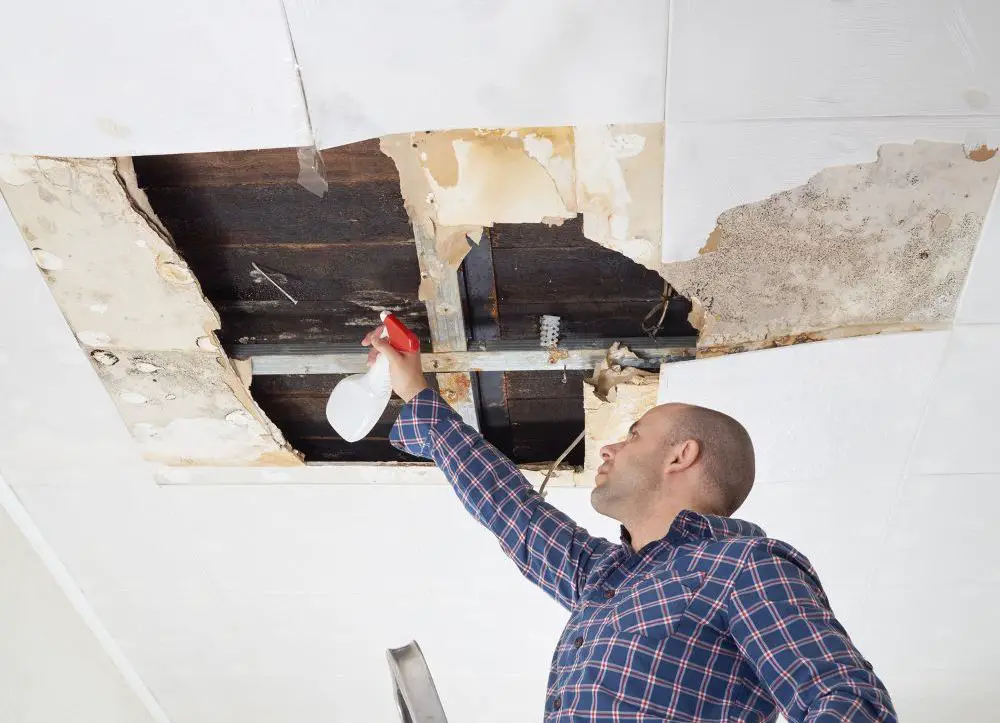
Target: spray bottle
357, 402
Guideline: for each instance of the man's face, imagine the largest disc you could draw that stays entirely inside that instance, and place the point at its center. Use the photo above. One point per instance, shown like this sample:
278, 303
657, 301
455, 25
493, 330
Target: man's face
632, 470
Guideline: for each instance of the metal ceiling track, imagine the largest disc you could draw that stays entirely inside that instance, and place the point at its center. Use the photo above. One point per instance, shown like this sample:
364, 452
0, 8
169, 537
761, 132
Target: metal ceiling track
487, 356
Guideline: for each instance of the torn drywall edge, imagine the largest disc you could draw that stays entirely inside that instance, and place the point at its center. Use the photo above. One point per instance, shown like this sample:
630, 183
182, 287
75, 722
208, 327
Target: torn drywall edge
106, 256
857, 250
348, 473
477, 177
619, 172
712, 167
472, 178
100, 251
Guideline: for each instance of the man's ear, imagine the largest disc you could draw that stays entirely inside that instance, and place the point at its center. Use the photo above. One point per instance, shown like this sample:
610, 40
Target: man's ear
683, 455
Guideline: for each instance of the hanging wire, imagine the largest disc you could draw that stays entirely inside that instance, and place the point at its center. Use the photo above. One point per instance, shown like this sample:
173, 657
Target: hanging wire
661, 308
564, 455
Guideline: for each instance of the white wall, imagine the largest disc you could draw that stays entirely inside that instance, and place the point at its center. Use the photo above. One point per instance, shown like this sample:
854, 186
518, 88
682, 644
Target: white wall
52, 667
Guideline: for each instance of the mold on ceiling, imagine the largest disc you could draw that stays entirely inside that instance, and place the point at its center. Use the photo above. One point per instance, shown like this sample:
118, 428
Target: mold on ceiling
857, 250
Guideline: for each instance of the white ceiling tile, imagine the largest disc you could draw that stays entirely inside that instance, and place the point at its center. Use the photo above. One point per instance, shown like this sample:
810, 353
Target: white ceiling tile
963, 694
980, 303
190, 582
958, 434
821, 410
126, 78
844, 562
713, 167
929, 625
372, 68
118, 537
940, 527
789, 59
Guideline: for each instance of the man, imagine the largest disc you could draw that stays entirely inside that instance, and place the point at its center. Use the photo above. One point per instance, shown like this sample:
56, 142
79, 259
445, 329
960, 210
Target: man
695, 616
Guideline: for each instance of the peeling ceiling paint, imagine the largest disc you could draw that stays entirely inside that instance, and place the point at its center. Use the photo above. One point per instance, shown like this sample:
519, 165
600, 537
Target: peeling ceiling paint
612, 174
138, 312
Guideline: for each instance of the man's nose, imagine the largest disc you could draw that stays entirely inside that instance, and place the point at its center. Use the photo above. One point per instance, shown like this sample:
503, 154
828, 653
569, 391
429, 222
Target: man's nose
608, 451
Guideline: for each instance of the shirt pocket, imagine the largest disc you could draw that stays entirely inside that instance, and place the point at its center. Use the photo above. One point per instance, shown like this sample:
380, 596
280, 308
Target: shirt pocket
655, 605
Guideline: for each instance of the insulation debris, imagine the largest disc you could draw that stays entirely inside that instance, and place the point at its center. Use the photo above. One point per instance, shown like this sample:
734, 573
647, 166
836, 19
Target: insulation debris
613, 399
138, 311
312, 171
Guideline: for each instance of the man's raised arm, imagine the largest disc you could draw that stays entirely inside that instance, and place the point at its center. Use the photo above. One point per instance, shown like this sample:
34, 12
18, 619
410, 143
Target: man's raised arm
548, 547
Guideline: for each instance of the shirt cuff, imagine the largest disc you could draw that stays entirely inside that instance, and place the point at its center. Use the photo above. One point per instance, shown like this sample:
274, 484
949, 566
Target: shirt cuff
411, 432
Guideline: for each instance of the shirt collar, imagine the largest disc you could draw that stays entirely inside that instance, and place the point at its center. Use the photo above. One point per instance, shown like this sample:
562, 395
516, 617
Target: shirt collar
690, 526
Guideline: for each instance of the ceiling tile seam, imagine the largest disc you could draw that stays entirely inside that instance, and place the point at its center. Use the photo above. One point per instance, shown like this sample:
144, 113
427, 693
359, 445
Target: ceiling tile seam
991, 212
298, 77
897, 498
828, 119
78, 601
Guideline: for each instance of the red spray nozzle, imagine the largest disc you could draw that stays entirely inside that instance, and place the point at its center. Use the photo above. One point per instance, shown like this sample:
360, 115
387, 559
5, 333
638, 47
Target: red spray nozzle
401, 338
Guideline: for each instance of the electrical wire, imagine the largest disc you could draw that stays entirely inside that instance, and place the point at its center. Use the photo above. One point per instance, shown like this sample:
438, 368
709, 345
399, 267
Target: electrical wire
661, 308
564, 455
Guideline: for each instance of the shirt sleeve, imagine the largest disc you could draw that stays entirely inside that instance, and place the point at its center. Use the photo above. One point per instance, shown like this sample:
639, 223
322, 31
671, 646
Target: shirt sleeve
781, 620
546, 545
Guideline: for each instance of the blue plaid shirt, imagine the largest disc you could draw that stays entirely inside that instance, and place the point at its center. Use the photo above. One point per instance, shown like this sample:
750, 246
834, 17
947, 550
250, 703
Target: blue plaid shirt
713, 622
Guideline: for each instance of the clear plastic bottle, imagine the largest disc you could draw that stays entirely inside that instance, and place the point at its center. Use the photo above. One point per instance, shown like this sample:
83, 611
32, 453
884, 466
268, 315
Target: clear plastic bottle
358, 401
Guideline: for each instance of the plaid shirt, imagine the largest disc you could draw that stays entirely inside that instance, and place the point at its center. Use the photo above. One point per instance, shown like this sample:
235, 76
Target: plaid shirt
713, 622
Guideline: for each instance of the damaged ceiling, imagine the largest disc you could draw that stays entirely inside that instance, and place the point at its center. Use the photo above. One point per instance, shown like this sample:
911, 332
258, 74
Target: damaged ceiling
345, 257
176, 273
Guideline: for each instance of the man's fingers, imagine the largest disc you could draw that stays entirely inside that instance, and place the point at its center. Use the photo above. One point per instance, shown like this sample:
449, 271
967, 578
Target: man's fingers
372, 335
382, 346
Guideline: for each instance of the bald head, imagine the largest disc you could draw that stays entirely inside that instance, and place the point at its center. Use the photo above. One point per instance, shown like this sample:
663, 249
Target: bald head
726, 454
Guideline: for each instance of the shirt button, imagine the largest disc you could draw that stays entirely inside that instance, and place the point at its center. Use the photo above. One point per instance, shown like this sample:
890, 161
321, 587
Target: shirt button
556, 703
609, 594
578, 643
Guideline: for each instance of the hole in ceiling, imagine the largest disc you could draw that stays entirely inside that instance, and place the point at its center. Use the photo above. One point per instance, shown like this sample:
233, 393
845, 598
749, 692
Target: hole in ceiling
287, 269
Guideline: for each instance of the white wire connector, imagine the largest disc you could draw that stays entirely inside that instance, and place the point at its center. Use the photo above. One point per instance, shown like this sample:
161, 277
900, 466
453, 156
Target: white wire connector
548, 327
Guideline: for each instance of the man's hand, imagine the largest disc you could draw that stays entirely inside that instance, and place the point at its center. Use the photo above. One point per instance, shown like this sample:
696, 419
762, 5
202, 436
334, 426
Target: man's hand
404, 367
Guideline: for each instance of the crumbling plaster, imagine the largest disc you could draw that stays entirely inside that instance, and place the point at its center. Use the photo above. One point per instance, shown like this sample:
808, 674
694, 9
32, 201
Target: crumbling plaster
858, 249
138, 312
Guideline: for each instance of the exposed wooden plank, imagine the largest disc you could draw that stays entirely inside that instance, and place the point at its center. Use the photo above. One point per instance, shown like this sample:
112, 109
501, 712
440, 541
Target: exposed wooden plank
276, 321
356, 273
297, 405
572, 274
374, 448
540, 236
286, 213
546, 385
542, 428
355, 163
447, 323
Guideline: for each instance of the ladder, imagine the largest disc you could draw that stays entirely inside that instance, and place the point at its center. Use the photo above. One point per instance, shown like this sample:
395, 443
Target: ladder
416, 694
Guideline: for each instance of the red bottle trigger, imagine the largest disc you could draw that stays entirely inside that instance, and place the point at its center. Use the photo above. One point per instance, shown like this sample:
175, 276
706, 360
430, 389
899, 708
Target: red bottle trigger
401, 338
